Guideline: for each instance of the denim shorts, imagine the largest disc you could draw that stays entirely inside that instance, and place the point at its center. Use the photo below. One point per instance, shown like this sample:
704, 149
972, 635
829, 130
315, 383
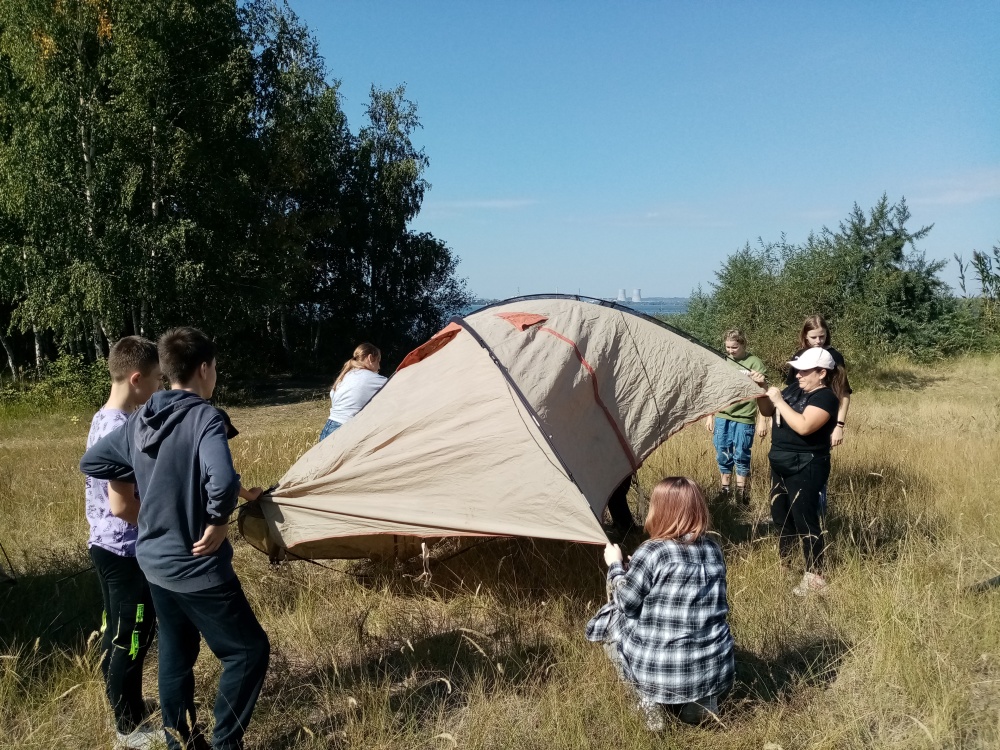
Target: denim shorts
329, 427
733, 441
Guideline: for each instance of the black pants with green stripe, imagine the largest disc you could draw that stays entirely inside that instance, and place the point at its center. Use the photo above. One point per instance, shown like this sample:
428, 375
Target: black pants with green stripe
129, 624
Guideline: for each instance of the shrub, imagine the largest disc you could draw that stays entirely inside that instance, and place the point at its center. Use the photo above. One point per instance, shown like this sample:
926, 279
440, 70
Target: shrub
880, 294
69, 381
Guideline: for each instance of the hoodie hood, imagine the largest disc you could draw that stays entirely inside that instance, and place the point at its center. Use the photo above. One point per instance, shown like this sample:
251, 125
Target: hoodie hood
160, 414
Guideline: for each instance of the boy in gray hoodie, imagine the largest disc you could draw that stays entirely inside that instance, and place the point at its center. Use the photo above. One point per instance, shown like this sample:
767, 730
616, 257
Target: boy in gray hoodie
175, 450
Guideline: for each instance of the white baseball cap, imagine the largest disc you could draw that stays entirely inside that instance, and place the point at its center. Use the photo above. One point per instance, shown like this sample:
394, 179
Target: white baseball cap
817, 356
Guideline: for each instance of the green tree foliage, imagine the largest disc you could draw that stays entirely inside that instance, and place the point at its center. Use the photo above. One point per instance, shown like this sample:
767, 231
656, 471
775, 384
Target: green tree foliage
182, 161
393, 274
867, 277
126, 125
979, 314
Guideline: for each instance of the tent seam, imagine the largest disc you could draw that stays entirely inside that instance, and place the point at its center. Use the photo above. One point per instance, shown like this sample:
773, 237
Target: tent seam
524, 399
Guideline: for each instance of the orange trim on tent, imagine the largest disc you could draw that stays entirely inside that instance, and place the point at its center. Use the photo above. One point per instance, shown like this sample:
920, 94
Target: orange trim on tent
522, 321
426, 349
597, 397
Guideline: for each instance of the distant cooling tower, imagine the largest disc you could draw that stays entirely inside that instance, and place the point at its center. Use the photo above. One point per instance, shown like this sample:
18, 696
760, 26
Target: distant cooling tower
636, 296
621, 295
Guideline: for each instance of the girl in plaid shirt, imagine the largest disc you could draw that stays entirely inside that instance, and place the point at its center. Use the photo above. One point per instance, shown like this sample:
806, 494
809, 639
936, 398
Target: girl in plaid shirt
665, 625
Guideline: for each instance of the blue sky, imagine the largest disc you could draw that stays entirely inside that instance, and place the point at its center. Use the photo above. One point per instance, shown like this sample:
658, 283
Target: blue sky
598, 145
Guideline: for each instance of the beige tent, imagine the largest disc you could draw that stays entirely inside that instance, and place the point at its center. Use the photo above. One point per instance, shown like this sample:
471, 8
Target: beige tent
518, 420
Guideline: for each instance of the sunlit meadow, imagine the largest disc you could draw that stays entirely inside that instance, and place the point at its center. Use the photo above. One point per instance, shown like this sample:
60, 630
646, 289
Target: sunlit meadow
904, 651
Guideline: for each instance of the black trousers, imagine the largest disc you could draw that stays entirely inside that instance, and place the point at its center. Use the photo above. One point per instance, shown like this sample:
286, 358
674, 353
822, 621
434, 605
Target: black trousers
621, 515
797, 482
129, 624
223, 616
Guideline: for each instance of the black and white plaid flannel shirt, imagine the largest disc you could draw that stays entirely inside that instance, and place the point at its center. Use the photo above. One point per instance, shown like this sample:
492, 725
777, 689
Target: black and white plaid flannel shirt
671, 620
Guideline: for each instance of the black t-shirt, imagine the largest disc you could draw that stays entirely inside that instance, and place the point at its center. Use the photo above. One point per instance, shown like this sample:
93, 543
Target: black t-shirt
785, 438
837, 357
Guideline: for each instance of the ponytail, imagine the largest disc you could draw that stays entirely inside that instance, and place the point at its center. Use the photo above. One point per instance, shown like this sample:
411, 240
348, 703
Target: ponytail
836, 380
356, 362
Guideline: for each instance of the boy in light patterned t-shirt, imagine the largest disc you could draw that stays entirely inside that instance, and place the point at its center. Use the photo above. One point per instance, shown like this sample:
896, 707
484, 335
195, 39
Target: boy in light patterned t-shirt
129, 620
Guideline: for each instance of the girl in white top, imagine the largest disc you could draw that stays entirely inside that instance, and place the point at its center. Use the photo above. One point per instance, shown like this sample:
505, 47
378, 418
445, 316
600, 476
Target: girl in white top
354, 387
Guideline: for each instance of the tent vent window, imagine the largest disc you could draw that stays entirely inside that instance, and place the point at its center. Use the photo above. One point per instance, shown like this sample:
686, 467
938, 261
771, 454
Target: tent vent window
523, 321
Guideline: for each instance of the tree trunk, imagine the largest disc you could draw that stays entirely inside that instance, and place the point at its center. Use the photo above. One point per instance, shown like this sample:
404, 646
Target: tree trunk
98, 346
284, 333
10, 355
136, 327
153, 179
39, 353
85, 125
144, 317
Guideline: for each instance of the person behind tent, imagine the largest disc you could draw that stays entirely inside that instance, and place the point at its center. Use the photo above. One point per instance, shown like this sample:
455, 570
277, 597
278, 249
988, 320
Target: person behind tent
804, 419
733, 428
129, 620
816, 332
354, 387
621, 514
665, 627
175, 450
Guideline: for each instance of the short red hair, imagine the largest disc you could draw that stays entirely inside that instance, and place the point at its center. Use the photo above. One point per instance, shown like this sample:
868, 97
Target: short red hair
677, 508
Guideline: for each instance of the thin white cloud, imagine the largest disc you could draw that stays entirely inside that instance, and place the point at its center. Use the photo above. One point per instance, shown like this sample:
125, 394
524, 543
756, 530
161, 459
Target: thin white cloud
680, 214
975, 186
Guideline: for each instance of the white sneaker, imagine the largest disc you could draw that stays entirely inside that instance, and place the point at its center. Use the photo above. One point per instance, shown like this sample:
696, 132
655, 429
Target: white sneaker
653, 715
141, 738
811, 583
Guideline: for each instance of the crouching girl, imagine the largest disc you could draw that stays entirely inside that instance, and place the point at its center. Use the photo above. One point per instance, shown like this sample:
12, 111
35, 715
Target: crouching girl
665, 627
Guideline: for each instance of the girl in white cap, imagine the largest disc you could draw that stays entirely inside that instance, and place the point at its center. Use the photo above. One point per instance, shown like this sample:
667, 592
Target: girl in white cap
805, 416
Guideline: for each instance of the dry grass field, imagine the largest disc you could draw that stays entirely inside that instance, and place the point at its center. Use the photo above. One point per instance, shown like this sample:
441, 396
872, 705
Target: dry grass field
904, 652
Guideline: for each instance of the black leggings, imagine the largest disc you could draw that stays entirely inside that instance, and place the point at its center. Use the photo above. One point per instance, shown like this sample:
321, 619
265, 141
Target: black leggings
796, 502
129, 624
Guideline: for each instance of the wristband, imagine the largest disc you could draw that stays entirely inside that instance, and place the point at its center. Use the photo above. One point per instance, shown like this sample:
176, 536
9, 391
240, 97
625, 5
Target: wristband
840, 424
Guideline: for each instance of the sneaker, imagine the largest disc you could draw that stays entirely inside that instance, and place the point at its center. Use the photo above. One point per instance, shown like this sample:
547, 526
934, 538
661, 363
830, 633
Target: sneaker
742, 495
811, 583
653, 715
141, 738
701, 711
198, 740
150, 706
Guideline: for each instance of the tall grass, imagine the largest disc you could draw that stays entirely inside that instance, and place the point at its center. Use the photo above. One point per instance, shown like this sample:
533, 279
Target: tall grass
900, 654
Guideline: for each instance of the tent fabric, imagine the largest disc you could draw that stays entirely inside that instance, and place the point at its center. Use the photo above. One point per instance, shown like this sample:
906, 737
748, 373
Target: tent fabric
496, 429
